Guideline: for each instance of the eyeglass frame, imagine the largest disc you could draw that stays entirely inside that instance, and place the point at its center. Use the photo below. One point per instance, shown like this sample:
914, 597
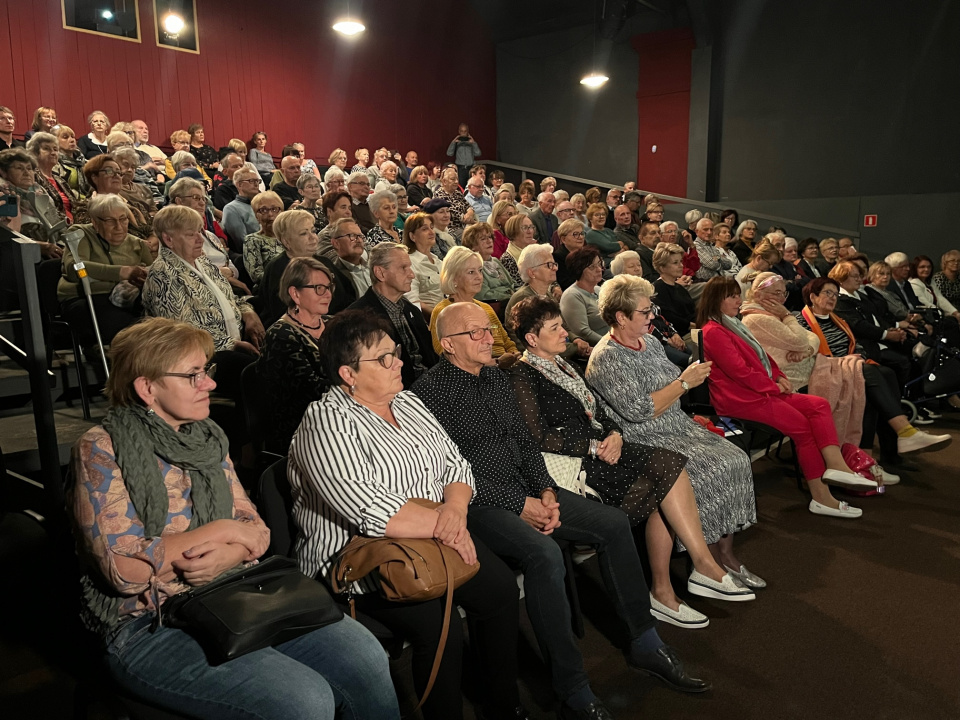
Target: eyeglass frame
547, 264
483, 331
207, 372
652, 312
379, 358
315, 287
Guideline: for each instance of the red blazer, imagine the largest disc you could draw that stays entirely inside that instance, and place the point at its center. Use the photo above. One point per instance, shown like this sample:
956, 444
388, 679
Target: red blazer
739, 385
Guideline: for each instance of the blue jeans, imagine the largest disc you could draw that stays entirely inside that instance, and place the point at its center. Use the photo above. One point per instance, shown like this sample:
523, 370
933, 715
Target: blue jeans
583, 522
339, 667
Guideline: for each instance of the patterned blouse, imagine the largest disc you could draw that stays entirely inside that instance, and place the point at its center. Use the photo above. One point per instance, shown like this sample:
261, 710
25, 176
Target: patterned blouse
173, 291
376, 236
258, 250
713, 262
948, 289
458, 206
109, 525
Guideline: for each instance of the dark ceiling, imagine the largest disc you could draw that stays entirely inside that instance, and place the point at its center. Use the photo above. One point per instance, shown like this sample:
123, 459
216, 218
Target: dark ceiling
515, 19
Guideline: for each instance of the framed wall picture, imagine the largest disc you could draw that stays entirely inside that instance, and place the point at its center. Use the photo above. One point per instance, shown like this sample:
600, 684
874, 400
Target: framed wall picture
176, 22
118, 19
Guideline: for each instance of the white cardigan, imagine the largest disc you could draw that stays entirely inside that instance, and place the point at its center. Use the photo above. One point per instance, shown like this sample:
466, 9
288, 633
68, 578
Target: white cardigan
927, 298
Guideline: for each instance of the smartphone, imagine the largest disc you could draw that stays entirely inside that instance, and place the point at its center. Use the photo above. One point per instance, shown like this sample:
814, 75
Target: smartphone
10, 207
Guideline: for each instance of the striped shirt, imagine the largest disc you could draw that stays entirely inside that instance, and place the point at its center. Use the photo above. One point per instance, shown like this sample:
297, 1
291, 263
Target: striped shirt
350, 471
837, 339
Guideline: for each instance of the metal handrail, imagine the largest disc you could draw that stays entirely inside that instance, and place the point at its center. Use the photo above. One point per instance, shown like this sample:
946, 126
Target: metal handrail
686, 201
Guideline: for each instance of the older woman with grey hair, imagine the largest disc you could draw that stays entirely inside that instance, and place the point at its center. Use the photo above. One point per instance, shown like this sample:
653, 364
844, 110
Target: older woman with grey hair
744, 240
627, 262
38, 210
334, 180
45, 149
116, 263
947, 281
538, 270
311, 191
135, 192
383, 207
183, 285
640, 390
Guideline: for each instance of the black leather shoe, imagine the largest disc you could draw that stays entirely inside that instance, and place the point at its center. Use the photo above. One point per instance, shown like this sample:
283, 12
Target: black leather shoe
665, 665
594, 711
520, 713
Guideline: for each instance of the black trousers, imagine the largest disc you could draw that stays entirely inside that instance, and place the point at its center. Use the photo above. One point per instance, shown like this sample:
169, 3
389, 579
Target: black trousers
491, 600
883, 403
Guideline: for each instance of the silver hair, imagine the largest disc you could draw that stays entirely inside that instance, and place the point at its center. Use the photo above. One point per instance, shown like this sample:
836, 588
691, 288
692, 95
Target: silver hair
126, 153
183, 186
542, 196
179, 157
305, 178
333, 173
616, 267
248, 169
100, 204
692, 216
358, 175
896, 259
396, 188
741, 226
558, 193
666, 225
38, 139
378, 198
385, 163
789, 243
532, 256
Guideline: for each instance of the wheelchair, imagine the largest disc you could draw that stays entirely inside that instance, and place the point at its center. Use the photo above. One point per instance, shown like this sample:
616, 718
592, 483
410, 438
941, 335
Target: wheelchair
939, 369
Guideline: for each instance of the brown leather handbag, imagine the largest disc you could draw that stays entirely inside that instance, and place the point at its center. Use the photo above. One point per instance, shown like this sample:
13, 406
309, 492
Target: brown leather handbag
410, 570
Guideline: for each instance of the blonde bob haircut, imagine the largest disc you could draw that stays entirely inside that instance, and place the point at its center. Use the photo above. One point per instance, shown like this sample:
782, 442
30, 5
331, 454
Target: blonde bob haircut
176, 218
455, 263
622, 294
261, 198
569, 226
149, 349
512, 227
499, 207
663, 253
287, 222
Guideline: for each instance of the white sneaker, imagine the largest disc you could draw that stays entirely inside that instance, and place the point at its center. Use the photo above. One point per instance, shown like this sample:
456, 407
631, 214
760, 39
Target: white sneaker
844, 511
852, 480
921, 440
728, 589
685, 617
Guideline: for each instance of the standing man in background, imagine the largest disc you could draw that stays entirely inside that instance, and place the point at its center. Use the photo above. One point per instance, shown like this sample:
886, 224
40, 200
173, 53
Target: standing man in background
464, 150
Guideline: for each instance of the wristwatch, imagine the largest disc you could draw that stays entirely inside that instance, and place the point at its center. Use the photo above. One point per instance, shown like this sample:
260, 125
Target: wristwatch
685, 386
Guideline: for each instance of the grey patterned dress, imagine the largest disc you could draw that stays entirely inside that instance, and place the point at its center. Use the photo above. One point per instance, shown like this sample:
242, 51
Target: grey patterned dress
719, 471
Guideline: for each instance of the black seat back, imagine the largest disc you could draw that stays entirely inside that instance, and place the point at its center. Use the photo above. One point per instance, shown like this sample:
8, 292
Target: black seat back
275, 504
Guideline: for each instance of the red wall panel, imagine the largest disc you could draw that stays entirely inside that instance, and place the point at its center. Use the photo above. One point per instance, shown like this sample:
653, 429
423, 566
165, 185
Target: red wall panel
406, 83
663, 101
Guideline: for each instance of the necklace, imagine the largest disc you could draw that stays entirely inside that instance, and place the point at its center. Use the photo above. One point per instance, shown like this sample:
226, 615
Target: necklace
306, 327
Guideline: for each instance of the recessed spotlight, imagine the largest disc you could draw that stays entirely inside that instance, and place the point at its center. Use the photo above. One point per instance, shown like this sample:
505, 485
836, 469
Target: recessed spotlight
107, 15
594, 80
349, 27
173, 23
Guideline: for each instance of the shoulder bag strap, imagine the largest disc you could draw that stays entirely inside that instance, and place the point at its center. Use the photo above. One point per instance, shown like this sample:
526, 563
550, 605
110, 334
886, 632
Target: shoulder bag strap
447, 612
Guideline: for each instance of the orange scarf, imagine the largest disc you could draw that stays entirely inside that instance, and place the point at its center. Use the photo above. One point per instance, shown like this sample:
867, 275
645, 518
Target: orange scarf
815, 327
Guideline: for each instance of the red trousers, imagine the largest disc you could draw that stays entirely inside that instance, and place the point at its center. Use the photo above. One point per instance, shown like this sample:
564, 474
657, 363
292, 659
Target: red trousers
805, 419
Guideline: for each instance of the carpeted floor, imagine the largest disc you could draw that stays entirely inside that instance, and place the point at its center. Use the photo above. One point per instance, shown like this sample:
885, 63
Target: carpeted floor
861, 618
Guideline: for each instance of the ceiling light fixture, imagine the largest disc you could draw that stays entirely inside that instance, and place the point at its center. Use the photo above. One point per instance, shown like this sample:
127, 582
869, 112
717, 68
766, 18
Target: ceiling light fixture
349, 27
173, 23
594, 80
107, 15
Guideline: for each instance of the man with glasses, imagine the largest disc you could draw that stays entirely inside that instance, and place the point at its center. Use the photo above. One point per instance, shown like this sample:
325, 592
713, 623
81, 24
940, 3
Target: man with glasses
829, 251
481, 204
649, 237
289, 174
517, 507
239, 220
543, 218
358, 185
614, 198
350, 270
391, 277
224, 191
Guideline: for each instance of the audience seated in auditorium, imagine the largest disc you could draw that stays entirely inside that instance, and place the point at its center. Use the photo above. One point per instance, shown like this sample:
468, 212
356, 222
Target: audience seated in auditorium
449, 191
526, 193
921, 280
262, 246
179, 531
290, 370
648, 483
44, 120
502, 211
649, 235
674, 304
640, 389
744, 239
358, 185
417, 188
625, 232
614, 198
69, 168
182, 157
139, 195
224, 189
713, 262
947, 281
294, 230
764, 257
518, 506
392, 277
476, 199
336, 204
439, 211
389, 175
362, 156
579, 201
521, 232
748, 384
362, 453
808, 251
419, 238
581, 314
885, 299
497, 286
829, 250
286, 188
599, 235
461, 280
543, 218
311, 193
45, 150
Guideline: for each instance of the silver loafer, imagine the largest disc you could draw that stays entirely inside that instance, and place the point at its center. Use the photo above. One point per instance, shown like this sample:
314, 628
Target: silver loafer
685, 617
746, 577
728, 589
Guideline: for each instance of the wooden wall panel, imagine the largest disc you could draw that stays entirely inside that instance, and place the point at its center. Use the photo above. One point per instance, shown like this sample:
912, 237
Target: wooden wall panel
421, 68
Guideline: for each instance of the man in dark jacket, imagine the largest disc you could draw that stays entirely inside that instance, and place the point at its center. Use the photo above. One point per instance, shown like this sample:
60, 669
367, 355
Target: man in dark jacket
392, 276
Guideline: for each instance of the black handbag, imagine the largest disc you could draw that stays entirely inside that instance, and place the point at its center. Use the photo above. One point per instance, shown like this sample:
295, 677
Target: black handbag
266, 604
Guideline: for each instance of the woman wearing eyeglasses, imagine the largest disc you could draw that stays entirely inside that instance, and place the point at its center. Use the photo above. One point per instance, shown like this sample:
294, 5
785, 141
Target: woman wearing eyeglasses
184, 285
362, 452
294, 230
640, 389
522, 233
575, 434
581, 314
261, 247
290, 369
